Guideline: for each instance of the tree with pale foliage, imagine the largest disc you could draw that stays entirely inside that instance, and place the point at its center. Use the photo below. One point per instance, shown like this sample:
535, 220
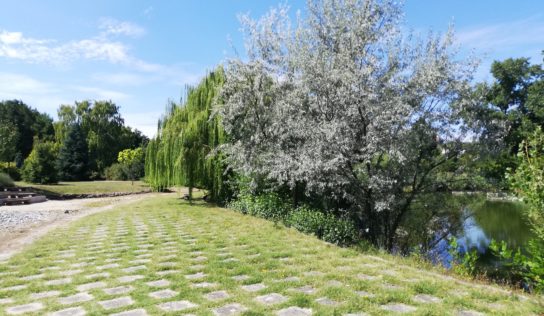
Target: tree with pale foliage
346, 106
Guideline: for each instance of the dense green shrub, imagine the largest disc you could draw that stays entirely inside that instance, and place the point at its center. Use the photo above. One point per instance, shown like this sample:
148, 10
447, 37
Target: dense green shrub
528, 183
5, 180
40, 165
325, 226
267, 206
10, 169
133, 161
307, 220
117, 172
340, 231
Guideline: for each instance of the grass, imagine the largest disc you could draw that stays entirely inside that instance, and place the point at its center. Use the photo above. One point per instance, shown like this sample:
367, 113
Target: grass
87, 187
194, 238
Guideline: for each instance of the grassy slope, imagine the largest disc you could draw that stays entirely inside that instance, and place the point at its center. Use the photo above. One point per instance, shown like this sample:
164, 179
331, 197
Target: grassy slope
88, 187
266, 253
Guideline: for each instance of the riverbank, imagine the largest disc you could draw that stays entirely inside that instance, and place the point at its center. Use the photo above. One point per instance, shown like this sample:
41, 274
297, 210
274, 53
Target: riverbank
164, 255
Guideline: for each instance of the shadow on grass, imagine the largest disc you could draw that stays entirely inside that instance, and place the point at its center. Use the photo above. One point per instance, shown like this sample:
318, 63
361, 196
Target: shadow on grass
51, 195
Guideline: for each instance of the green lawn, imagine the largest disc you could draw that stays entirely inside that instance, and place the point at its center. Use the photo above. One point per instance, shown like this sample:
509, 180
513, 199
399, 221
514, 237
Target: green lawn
87, 187
206, 258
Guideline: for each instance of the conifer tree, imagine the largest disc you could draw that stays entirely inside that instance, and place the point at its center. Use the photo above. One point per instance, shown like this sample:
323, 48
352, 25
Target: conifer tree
73, 159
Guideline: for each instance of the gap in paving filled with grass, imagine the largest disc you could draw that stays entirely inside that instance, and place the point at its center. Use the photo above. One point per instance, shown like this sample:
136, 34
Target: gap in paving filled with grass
165, 256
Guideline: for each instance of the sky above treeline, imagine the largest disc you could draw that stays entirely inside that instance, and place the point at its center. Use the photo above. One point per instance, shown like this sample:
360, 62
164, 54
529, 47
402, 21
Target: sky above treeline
141, 53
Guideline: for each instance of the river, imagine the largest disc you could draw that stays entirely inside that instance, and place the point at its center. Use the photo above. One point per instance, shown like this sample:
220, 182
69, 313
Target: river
486, 221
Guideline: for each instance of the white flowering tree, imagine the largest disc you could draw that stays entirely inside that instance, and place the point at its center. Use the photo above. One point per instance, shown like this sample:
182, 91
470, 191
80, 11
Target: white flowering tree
344, 104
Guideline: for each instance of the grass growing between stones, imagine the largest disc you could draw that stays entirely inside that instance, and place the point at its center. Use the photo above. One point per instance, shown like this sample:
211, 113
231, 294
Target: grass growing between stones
164, 256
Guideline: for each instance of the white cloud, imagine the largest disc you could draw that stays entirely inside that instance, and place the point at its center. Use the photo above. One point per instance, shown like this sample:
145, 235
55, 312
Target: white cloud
15, 84
47, 96
504, 36
99, 93
112, 26
15, 45
122, 79
34, 92
146, 122
11, 37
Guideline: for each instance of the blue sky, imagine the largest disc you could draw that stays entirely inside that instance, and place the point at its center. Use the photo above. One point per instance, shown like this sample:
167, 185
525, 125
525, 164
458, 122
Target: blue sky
141, 53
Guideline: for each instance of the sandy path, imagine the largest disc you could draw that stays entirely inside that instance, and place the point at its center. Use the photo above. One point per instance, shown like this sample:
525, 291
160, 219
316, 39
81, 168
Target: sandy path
21, 225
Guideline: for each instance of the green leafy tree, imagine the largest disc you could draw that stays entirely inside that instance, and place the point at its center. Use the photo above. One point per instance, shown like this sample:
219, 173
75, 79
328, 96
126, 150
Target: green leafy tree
73, 158
9, 138
66, 118
20, 124
104, 131
509, 110
133, 162
40, 165
186, 149
528, 182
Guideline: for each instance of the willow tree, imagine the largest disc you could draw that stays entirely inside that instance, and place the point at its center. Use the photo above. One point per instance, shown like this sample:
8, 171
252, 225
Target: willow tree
184, 151
345, 103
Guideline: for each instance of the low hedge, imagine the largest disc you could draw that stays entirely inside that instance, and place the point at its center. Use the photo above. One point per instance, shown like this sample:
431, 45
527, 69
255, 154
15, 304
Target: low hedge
11, 170
326, 226
5, 180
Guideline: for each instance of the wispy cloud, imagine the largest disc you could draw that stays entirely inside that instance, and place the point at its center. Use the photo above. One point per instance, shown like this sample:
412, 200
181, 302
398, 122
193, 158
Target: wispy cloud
148, 11
15, 45
122, 79
105, 46
111, 26
504, 36
49, 95
102, 47
32, 91
101, 94
144, 121
15, 84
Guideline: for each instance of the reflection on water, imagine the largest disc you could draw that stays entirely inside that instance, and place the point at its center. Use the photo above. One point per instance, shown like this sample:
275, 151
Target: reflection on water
501, 221
492, 220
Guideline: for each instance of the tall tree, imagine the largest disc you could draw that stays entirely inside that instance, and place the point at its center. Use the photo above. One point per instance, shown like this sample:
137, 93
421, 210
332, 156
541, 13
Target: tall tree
349, 108
9, 138
40, 165
185, 151
73, 158
133, 162
511, 108
26, 124
104, 130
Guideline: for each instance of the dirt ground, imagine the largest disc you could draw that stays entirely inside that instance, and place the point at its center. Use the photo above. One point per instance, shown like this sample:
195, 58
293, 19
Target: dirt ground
20, 225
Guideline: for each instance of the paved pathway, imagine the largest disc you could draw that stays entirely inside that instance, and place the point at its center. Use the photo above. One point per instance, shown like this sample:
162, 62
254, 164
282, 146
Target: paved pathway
155, 263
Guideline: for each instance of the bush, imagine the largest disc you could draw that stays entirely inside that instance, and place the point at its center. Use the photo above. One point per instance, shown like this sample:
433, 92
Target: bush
40, 165
307, 220
268, 206
116, 172
5, 180
11, 170
340, 231
325, 226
